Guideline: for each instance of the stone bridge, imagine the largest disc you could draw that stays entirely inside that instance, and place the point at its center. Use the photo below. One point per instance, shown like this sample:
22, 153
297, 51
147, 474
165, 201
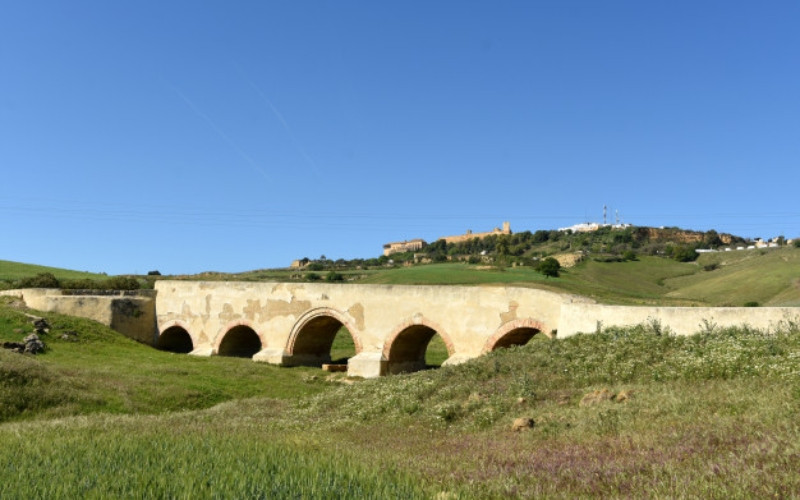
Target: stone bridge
391, 325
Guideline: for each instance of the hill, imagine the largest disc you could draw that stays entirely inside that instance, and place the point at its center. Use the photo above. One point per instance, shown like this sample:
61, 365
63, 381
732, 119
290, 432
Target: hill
632, 265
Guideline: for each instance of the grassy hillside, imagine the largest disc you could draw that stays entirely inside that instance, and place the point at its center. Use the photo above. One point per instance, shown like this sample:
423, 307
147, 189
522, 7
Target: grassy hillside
99, 370
12, 271
711, 415
768, 277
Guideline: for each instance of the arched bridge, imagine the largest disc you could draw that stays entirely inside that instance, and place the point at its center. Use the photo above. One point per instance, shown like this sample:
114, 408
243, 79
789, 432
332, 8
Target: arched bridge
390, 325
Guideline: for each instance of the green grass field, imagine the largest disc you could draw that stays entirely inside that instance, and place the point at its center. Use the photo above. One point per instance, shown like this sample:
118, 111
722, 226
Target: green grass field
711, 415
11, 271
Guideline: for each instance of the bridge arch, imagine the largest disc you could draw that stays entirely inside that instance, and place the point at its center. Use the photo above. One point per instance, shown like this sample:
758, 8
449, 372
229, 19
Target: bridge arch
238, 339
312, 336
404, 350
175, 337
516, 332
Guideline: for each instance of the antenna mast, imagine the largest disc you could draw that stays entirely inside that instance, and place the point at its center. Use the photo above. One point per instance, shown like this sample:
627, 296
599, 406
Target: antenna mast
605, 209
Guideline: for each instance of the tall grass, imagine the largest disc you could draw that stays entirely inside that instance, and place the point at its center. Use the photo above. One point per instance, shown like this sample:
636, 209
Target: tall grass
127, 458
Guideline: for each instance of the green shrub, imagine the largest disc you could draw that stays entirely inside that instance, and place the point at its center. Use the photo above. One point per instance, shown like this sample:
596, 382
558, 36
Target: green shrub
549, 266
683, 253
121, 283
41, 280
334, 276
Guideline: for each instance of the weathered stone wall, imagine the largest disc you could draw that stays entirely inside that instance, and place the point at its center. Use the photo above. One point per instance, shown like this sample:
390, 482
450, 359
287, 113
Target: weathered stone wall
132, 314
467, 318
585, 318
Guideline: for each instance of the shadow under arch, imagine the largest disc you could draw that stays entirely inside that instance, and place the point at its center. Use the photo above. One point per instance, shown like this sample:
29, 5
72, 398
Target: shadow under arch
516, 332
175, 337
312, 336
240, 340
404, 350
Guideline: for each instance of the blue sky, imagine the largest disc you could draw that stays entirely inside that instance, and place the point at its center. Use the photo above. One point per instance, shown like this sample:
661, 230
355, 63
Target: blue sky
194, 136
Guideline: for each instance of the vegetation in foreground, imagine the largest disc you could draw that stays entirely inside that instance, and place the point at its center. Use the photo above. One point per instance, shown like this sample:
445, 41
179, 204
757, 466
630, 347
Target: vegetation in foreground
712, 415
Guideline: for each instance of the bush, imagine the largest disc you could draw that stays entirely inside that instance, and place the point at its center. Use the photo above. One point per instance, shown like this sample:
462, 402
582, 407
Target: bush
334, 276
549, 267
41, 280
683, 253
121, 283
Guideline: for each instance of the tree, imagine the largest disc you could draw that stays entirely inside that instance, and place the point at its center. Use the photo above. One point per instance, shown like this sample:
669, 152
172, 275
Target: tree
683, 253
549, 267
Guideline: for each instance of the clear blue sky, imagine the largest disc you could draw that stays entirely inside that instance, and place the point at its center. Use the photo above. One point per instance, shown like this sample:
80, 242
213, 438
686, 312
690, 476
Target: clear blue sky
193, 136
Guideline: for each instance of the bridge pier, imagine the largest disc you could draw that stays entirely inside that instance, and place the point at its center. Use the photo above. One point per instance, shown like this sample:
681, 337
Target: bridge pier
273, 356
205, 350
367, 365
364, 364
457, 359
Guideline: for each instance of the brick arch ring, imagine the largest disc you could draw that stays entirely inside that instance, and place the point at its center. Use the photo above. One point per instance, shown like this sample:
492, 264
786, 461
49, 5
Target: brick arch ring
230, 326
180, 324
416, 321
319, 312
510, 326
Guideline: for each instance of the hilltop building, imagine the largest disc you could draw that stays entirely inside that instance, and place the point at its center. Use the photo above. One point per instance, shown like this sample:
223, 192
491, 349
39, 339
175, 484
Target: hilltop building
403, 246
588, 227
470, 235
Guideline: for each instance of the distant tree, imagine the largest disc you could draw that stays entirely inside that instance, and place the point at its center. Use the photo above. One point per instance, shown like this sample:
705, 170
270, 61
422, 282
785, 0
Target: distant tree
683, 253
549, 267
780, 240
334, 276
629, 255
502, 246
712, 239
154, 273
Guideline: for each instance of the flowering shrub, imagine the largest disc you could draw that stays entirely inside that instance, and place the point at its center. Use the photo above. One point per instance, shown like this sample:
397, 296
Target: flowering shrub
481, 392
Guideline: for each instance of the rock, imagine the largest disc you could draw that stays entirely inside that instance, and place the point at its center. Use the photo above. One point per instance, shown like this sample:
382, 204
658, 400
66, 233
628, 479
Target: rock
14, 346
521, 424
41, 325
521, 401
33, 344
